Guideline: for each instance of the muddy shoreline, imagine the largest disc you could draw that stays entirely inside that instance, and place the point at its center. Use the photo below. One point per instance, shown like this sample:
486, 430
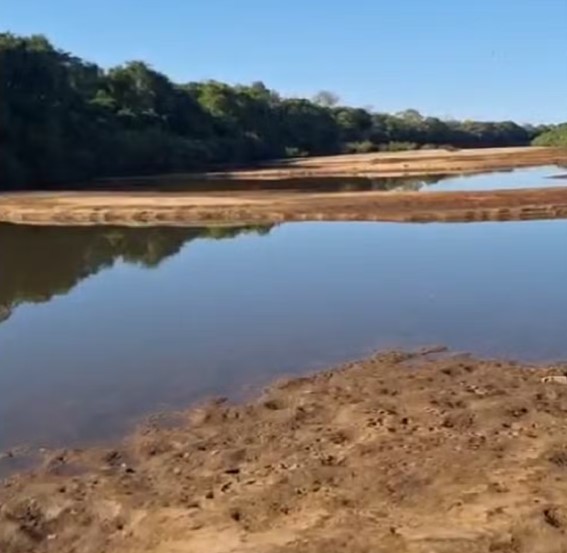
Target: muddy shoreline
271, 206
409, 452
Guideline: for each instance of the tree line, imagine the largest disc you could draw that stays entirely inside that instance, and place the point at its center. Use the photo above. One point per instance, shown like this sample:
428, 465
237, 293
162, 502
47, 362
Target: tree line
555, 136
63, 119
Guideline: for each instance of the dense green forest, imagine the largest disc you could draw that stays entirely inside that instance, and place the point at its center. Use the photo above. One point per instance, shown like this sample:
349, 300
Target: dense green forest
63, 119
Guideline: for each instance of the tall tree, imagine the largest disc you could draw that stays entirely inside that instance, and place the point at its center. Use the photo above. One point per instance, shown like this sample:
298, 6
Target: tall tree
66, 120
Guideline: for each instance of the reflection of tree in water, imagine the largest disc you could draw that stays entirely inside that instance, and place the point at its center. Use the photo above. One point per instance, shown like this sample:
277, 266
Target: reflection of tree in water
38, 263
389, 183
421, 182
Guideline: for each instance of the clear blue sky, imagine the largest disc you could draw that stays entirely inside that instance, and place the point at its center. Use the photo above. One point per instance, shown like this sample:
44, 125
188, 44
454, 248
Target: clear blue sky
486, 59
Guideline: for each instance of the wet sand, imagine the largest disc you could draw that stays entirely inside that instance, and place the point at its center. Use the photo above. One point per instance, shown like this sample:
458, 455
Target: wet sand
271, 206
402, 452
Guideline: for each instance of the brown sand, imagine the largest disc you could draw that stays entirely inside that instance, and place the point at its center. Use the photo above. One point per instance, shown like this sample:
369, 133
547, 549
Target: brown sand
139, 209
396, 164
269, 206
416, 453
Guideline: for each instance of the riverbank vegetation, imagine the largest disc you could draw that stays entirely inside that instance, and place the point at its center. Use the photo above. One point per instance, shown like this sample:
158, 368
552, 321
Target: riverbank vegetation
67, 120
555, 137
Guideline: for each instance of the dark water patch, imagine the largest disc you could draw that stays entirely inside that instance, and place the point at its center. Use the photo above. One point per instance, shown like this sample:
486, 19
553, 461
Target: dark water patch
307, 185
18, 461
531, 177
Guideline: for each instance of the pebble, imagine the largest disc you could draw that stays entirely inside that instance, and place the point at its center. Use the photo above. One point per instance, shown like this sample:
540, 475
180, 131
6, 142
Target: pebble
554, 380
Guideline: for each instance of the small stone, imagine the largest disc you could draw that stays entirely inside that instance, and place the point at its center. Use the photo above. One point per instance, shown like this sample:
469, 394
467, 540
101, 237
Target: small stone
554, 380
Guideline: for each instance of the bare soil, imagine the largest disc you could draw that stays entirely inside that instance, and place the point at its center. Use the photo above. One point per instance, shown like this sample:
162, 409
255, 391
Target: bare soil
269, 205
403, 452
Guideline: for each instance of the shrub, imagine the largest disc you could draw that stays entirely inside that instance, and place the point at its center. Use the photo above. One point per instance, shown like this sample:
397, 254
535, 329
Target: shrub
364, 147
398, 146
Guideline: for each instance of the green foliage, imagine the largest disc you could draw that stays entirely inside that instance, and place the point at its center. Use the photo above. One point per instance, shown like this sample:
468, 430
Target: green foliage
292, 151
63, 119
364, 147
556, 136
398, 146
326, 98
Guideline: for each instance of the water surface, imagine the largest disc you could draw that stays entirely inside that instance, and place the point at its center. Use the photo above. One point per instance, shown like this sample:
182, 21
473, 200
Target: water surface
103, 325
531, 177
514, 178
306, 185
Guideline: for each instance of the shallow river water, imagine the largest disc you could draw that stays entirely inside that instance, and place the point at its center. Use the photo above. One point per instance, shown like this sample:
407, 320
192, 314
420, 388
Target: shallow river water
530, 177
103, 325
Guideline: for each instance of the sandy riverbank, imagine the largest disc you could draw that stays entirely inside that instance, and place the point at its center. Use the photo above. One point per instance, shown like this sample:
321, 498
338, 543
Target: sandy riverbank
270, 206
394, 164
401, 452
